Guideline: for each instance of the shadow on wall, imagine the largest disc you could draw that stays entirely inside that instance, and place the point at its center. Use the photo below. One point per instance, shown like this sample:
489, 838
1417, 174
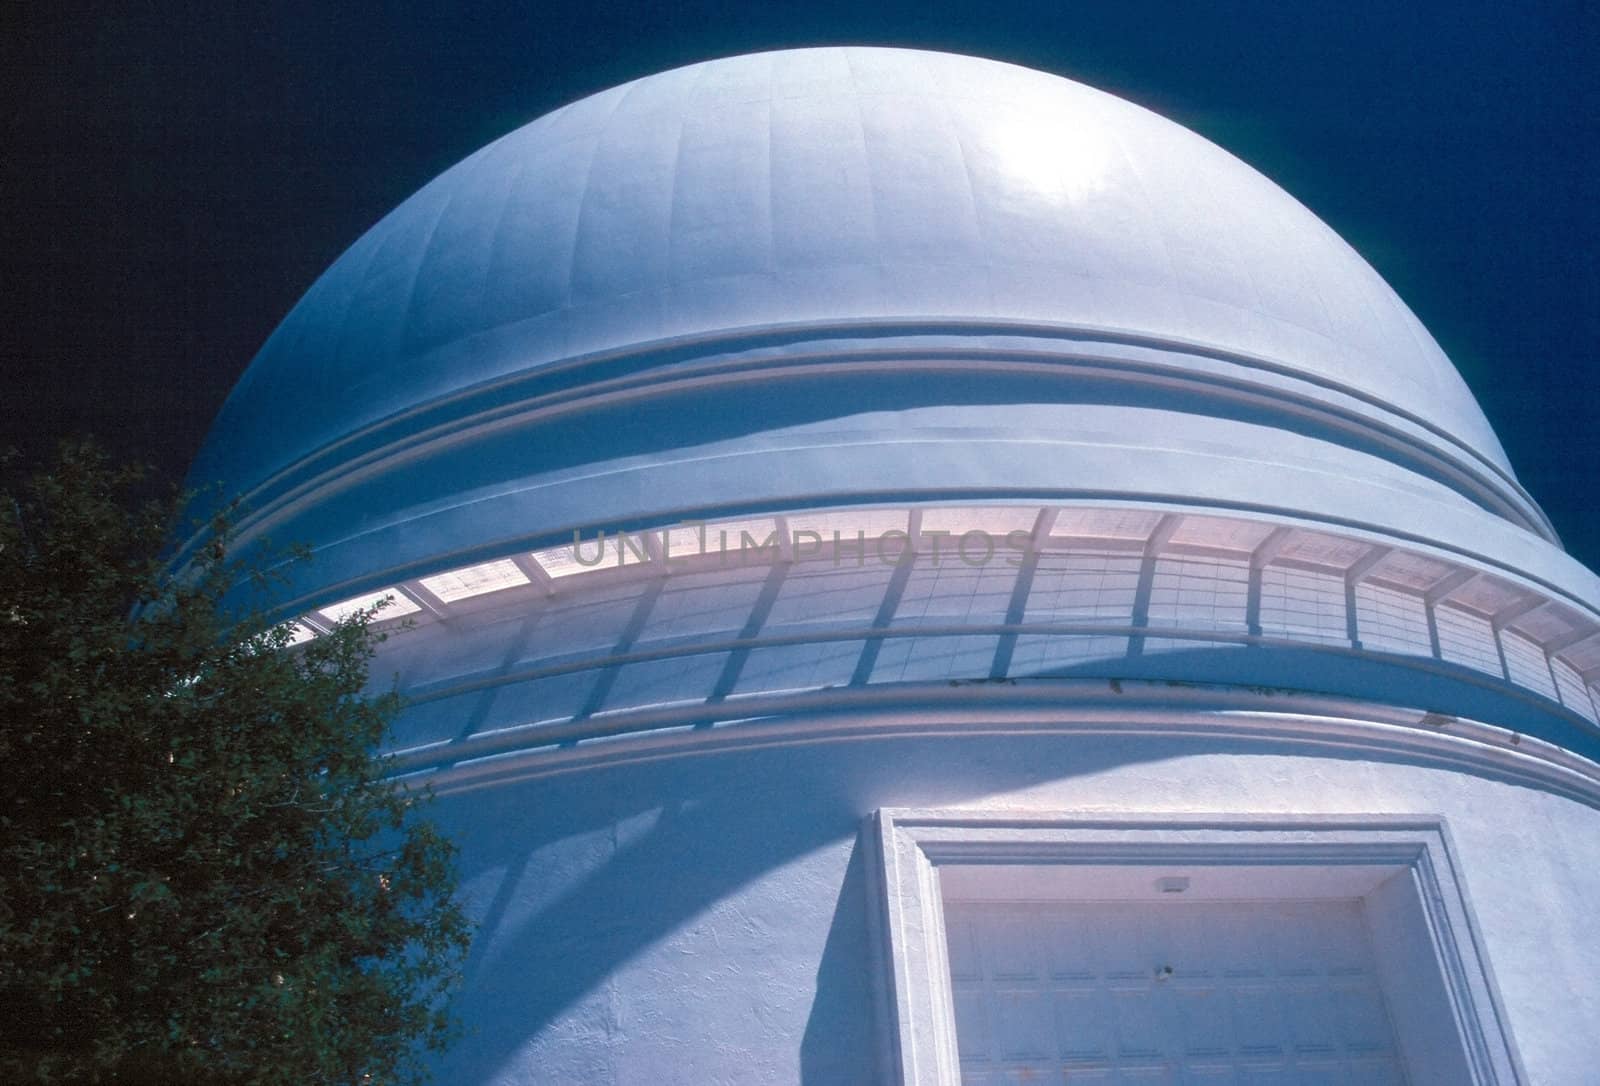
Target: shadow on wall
576, 875
742, 875
840, 1044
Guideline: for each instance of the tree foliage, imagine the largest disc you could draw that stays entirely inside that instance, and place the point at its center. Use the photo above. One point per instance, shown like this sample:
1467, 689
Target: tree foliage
204, 875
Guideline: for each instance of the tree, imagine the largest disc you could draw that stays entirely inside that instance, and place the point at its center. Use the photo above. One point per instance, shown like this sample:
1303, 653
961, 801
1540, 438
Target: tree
205, 875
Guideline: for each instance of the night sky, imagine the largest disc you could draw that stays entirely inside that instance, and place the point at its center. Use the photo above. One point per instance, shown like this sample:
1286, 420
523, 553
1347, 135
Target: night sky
175, 175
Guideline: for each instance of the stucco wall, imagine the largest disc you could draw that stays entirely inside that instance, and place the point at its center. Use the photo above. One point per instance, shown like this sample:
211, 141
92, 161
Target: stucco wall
704, 919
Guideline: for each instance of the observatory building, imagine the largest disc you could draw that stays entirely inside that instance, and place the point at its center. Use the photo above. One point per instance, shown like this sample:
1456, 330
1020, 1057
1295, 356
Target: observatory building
921, 572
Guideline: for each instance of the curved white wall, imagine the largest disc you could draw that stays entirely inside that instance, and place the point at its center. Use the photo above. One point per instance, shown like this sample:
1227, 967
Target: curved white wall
705, 920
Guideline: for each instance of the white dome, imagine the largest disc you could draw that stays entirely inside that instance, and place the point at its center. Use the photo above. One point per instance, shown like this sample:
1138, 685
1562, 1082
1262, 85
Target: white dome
829, 186
845, 276
1254, 560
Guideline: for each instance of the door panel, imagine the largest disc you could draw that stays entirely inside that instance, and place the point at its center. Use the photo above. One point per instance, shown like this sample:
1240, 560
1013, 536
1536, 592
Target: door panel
1280, 993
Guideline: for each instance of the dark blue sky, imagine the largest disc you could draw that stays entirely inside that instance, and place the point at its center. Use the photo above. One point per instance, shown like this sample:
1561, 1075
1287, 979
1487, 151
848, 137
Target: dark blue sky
174, 176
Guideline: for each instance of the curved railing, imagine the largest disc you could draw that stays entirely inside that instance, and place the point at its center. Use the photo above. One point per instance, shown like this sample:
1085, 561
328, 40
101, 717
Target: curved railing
685, 624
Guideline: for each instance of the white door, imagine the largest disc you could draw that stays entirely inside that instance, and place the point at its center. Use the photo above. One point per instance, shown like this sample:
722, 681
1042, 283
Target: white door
1168, 993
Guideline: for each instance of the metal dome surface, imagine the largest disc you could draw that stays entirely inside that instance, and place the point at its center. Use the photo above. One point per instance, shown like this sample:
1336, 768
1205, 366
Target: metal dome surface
830, 186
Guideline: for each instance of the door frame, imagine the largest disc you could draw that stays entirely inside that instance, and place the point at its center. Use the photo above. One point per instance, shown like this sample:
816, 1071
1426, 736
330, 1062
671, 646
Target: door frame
1442, 998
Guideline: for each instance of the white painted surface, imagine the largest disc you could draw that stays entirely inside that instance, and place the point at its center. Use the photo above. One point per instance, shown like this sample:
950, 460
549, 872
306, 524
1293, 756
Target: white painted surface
830, 185
1176, 993
703, 920
1086, 895
862, 276
824, 276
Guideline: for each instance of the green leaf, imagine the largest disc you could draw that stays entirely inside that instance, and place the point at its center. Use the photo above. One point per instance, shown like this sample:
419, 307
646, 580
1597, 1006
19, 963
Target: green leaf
213, 817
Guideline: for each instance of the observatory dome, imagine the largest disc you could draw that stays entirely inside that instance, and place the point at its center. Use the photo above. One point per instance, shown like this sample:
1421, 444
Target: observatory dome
1239, 603
784, 191
824, 187
826, 276
837, 277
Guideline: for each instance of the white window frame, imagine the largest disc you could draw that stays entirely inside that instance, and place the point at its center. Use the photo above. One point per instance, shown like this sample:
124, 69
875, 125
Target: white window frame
1421, 910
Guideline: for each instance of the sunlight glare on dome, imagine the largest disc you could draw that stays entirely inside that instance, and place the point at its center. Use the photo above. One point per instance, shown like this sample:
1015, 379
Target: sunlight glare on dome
1065, 164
